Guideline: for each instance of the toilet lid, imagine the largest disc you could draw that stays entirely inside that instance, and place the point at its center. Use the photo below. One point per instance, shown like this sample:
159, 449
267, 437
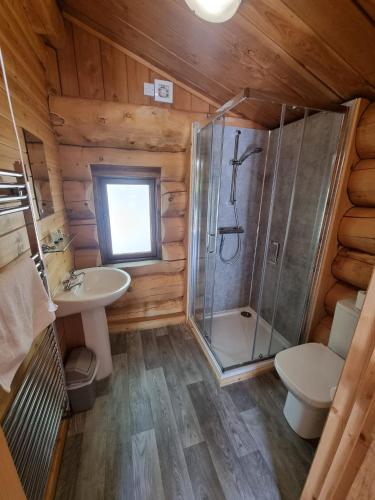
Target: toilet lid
311, 371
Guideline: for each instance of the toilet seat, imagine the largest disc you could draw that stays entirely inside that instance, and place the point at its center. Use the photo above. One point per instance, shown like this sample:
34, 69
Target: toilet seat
310, 371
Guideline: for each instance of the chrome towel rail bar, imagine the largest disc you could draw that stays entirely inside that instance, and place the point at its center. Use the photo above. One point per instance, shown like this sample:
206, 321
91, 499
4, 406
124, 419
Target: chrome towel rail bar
17, 193
10, 173
7, 211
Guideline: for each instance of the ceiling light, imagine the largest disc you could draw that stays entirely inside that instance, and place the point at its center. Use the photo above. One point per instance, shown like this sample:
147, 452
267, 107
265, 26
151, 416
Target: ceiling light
214, 11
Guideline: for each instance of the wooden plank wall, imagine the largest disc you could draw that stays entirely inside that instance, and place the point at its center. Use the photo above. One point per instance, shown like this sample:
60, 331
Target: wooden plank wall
351, 257
106, 85
93, 69
26, 60
9, 480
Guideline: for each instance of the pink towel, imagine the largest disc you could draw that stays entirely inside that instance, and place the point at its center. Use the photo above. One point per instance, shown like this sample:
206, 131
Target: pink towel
24, 314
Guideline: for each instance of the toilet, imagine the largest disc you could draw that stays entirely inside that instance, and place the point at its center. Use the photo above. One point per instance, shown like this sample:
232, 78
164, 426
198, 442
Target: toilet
311, 372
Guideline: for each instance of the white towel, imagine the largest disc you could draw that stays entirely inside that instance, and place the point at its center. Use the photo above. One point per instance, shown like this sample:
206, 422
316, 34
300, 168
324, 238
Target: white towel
24, 314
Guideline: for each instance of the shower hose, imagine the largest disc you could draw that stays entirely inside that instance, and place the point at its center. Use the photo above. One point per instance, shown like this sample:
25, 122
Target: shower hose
233, 258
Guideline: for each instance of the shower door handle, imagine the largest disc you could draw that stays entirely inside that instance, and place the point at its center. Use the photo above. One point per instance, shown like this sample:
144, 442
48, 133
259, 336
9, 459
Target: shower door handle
211, 243
276, 247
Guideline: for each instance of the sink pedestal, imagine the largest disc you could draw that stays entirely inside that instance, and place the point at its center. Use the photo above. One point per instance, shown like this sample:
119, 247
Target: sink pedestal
95, 329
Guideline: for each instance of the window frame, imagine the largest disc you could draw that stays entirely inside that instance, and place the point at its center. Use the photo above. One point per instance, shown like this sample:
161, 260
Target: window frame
121, 175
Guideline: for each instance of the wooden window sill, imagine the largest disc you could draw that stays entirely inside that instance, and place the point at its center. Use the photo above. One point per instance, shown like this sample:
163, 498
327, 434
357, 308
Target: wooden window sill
134, 264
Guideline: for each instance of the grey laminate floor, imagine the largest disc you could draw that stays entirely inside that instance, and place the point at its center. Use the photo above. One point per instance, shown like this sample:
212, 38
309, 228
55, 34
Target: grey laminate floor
161, 428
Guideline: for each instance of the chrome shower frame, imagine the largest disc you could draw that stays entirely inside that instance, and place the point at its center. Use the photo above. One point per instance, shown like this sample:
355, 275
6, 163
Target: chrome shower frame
242, 97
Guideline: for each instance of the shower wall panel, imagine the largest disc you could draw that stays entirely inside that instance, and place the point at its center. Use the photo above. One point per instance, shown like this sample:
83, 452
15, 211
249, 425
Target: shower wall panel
232, 281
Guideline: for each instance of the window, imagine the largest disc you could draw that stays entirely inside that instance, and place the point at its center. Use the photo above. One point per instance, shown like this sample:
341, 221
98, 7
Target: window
127, 213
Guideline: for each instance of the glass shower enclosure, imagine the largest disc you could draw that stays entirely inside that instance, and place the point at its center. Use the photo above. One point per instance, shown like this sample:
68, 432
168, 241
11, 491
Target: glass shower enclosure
260, 201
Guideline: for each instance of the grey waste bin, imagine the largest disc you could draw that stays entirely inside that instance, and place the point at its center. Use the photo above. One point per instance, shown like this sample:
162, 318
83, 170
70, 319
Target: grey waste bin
80, 372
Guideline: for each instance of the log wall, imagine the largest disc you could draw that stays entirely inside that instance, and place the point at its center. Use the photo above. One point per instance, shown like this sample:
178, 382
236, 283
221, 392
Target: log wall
156, 295
352, 264
101, 117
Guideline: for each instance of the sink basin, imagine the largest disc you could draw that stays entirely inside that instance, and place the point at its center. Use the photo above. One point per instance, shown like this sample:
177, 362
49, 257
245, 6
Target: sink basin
100, 286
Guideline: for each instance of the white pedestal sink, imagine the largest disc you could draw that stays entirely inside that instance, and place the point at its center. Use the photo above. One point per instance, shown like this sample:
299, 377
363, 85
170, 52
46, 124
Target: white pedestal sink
100, 286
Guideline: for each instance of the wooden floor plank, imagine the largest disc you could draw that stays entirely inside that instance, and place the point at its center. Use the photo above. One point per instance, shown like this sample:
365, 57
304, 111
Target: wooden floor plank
140, 409
159, 332
242, 441
188, 367
119, 465
147, 476
186, 419
118, 343
282, 460
228, 468
240, 438
186, 331
269, 394
173, 466
240, 396
150, 350
259, 476
67, 481
77, 424
91, 472
143, 417
201, 362
206, 484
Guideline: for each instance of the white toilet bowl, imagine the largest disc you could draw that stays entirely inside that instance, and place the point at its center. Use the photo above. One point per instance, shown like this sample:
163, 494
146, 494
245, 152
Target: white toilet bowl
311, 373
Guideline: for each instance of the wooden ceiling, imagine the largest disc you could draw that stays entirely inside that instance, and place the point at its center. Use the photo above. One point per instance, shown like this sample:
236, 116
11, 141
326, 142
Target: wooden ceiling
314, 52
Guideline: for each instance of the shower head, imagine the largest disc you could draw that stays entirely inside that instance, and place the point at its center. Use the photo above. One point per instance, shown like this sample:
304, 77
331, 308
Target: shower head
250, 150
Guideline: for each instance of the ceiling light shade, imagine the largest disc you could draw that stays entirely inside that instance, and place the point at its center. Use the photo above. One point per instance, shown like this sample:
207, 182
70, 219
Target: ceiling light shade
214, 11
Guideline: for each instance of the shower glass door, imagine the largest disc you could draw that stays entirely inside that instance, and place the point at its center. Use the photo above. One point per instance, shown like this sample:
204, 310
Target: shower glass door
282, 166
208, 156
302, 157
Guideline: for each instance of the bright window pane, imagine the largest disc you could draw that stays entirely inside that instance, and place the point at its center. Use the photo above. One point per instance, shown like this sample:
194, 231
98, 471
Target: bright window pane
129, 216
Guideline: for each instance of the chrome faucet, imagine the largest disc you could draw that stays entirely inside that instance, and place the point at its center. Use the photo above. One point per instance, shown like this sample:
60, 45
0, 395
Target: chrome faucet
68, 285
70, 282
74, 274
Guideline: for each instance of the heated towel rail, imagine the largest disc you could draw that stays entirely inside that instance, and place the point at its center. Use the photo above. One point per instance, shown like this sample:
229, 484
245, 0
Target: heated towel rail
31, 423
13, 192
